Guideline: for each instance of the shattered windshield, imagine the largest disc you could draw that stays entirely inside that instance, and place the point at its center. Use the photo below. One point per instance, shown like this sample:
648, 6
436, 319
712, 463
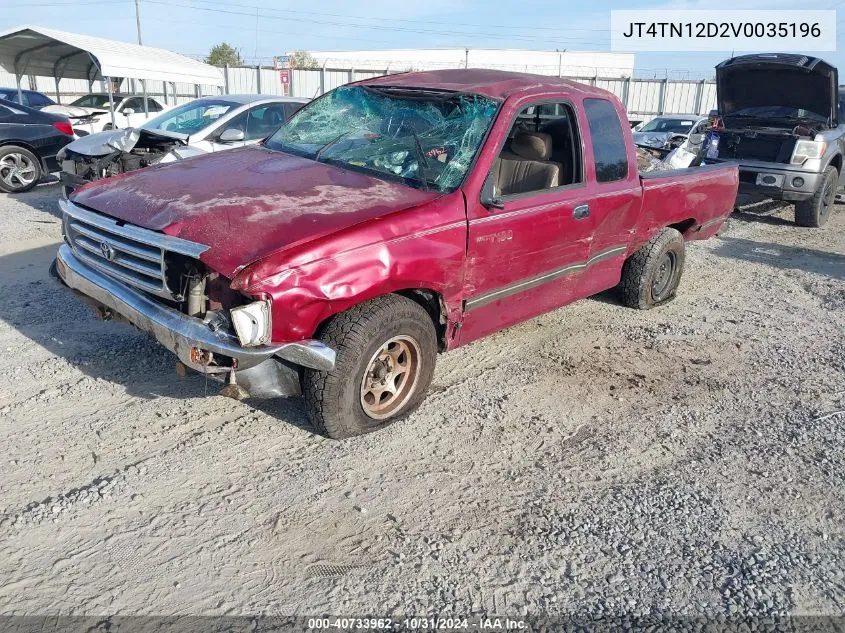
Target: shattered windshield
94, 101
190, 117
427, 138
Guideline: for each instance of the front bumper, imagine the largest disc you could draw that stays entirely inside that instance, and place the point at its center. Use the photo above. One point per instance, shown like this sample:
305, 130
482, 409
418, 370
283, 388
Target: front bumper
187, 337
788, 190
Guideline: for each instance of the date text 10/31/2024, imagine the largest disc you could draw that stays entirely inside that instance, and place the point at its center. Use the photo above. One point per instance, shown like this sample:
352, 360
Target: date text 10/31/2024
417, 623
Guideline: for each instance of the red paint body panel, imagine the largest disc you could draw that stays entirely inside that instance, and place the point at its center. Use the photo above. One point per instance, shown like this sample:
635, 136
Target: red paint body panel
704, 196
419, 248
319, 239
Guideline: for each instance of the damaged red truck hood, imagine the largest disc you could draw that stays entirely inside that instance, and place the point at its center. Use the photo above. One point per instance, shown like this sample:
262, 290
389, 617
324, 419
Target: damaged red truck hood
247, 203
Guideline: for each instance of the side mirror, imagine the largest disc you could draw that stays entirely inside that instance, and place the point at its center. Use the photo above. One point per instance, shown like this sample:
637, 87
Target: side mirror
696, 139
232, 135
128, 111
488, 198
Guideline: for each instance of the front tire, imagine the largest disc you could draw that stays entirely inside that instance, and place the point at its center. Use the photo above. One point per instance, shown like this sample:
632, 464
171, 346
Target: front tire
651, 276
815, 211
20, 169
386, 352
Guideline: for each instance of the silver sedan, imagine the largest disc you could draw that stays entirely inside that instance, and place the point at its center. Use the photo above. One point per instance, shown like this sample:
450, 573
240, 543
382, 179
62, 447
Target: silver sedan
201, 126
668, 131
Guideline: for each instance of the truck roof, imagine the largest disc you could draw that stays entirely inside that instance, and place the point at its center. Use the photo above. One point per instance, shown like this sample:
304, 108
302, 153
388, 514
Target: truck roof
498, 84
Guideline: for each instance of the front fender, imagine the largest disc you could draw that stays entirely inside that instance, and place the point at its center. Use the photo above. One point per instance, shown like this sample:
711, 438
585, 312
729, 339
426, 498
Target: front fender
419, 249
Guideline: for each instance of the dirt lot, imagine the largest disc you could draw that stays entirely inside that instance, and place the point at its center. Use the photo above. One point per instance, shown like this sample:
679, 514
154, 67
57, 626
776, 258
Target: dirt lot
599, 460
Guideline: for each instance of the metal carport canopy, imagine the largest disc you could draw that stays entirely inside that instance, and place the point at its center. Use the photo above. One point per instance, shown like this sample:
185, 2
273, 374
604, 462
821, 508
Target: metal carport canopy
34, 50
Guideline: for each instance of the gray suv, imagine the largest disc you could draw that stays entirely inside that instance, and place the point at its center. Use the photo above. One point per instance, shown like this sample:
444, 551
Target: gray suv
782, 120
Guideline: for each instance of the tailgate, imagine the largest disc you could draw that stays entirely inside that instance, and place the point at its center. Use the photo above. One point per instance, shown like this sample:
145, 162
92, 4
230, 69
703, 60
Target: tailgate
700, 197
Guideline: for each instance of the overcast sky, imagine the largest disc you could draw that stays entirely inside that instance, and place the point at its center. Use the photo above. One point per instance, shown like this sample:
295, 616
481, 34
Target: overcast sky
261, 29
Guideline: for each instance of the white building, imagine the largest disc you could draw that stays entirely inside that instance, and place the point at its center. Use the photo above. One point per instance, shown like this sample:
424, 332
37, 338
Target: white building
556, 63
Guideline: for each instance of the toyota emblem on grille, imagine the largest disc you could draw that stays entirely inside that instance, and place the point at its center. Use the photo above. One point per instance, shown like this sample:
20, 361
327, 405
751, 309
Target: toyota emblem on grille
107, 251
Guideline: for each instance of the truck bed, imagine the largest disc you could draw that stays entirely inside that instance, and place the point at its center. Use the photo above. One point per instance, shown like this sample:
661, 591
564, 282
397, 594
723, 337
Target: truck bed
696, 200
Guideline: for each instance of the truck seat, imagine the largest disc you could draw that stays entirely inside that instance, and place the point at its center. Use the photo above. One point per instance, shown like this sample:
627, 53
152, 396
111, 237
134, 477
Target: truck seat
526, 167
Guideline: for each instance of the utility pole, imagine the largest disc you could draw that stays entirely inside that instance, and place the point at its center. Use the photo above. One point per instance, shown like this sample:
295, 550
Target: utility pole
140, 43
138, 21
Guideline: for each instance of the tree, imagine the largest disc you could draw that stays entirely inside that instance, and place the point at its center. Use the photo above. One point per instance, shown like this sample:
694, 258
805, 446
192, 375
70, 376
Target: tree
303, 60
222, 54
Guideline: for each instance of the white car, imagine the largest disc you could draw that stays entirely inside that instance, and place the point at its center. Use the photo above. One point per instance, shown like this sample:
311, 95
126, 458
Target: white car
91, 114
668, 131
210, 124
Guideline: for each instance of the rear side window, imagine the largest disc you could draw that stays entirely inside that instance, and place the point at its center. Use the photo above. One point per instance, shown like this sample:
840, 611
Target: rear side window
608, 143
37, 100
11, 95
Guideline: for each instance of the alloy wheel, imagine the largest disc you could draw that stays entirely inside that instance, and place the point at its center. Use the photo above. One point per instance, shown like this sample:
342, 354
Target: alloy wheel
391, 377
17, 171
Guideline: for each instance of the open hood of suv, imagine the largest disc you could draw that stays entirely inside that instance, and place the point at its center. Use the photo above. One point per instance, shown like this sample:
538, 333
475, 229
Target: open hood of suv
770, 80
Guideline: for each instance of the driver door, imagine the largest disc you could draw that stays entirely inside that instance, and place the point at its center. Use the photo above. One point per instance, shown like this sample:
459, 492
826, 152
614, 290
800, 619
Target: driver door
527, 254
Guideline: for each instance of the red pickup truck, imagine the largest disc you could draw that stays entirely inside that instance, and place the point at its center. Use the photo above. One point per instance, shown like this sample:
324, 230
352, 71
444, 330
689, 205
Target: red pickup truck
387, 221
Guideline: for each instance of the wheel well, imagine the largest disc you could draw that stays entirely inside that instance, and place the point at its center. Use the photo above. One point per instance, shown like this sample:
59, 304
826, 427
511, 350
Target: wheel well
24, 145
683, 227
20, 144
430, 300
836, 161
433, 303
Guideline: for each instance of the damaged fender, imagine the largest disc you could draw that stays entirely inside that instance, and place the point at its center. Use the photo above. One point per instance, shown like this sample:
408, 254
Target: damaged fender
423, 249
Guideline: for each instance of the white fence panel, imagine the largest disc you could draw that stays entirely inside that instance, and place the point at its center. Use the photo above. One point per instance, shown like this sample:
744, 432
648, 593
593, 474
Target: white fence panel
708, 98
7, 80
645, 97
243, 81
305, 83
680, 97
616, 86
271, 84
335, 78
368, 74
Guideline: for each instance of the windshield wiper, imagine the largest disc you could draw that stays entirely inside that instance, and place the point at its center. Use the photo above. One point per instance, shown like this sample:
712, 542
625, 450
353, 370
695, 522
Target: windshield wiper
422, 162
330, 143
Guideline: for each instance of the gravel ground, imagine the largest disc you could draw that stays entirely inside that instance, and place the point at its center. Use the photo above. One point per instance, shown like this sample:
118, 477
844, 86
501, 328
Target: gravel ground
596, 460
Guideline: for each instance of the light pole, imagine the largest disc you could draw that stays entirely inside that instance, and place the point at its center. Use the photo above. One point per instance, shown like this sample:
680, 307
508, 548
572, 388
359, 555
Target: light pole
138, 21
140, 43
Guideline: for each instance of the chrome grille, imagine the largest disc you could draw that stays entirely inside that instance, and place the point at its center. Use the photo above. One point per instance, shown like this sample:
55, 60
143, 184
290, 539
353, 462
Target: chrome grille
128, 253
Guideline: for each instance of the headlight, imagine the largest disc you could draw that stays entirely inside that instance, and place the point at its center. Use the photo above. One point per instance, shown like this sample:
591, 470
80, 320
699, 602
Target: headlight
805, 150
252, 323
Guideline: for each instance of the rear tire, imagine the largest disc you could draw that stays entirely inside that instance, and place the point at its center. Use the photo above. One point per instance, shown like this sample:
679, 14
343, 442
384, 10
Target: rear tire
20, 169
815, 211
650, 276
386, 352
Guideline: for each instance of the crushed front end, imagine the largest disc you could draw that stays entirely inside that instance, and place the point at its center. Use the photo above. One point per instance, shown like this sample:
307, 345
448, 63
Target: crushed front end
107, 154
159, 284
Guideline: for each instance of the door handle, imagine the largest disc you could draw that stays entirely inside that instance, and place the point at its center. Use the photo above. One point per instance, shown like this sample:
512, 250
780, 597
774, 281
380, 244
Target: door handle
581, 211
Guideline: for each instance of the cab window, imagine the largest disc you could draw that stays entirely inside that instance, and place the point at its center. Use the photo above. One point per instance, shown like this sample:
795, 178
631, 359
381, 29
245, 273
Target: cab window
542, 151
609, 149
